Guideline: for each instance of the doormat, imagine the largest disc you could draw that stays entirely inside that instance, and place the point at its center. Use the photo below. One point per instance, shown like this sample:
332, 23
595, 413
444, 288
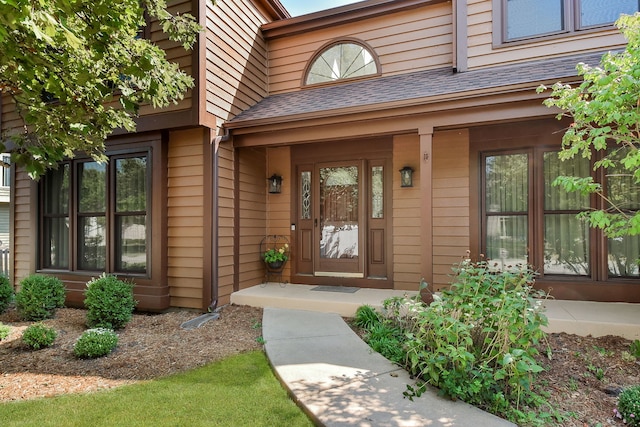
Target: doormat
342, 289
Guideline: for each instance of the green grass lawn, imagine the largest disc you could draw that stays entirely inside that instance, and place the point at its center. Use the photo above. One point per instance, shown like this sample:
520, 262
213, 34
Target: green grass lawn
238, 391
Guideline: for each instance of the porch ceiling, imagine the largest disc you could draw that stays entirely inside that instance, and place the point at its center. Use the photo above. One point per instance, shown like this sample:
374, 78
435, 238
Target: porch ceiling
406, 89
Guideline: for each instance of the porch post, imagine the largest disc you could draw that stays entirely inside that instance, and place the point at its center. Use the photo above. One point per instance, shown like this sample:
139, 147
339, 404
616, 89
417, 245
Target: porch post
426, 204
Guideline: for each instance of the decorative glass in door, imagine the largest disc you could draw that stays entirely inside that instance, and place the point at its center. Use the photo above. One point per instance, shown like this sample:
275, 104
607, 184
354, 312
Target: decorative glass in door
339, 212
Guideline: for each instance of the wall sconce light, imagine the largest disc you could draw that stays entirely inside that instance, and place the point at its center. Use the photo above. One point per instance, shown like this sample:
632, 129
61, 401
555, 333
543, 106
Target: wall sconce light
275, 184
406, 176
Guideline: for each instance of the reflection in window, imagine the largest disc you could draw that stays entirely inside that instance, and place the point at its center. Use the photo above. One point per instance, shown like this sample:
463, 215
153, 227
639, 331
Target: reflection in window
341, 61
527, 18
566, 238
339, 212
506, 209
624, 193
109, 228
55, 224
599, 12
131, 208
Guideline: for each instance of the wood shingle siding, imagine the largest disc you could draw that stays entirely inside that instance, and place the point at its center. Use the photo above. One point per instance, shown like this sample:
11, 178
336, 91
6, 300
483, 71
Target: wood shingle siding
419, 39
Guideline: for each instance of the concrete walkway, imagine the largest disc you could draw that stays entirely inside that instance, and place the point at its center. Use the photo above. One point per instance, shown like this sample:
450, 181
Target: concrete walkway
339, 381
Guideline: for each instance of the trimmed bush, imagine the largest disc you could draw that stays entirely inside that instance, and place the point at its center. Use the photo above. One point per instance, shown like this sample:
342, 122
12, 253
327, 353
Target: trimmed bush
629, 406
39, 297
94, 343
6, 293
39, 336
4, 331
109, 302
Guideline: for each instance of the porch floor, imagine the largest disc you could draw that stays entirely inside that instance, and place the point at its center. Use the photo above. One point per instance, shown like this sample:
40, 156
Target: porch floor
575, 317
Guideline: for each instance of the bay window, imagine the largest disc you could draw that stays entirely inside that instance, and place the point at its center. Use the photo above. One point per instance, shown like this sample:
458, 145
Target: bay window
94, 216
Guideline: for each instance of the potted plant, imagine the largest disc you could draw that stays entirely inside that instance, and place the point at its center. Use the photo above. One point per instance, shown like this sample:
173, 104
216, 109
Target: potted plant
276, 257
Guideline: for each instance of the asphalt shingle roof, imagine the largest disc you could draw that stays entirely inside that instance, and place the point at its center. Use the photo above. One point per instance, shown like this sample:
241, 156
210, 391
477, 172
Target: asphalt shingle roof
412, 86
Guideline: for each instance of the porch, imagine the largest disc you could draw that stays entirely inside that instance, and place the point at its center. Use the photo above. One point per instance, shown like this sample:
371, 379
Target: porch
575, 317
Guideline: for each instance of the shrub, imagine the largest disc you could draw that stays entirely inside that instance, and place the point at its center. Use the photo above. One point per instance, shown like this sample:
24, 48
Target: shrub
96, 342
6, 293
629, 406
477, 342
109, 302
39, 297
4, 331
39, 336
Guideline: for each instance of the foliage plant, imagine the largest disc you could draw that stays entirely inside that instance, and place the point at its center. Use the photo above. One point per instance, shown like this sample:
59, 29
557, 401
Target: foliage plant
478, 341
272, 255
95, 342
605, 116
4, 331
629, 406
39, 297
6, 293
109, 302
634, 349
39, 336
76, 71
366, 317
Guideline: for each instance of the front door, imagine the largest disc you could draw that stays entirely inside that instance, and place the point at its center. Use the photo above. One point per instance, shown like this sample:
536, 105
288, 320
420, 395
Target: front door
338, 241
340, 217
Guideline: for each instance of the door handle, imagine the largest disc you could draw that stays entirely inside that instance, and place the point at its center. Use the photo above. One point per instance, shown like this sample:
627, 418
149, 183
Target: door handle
315, 222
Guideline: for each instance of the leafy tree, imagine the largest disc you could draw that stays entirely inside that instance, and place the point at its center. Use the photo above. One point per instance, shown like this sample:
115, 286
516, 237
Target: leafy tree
605, 109
77, 70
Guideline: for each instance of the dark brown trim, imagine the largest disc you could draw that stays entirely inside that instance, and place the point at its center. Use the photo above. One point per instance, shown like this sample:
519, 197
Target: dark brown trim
151, 289
209, 230
341, 15
236, 219
168, 120
536, 137
199, 62
275, 9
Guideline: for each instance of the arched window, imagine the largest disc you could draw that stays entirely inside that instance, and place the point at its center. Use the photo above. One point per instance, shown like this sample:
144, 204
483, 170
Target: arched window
341, 60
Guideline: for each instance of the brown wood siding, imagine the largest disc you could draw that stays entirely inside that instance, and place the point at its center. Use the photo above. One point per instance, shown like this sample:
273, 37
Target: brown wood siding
236, 56
226, 223
24, 230
450, 202
406, 41
279, 205
482, 53
175, 53
252, 215
407, 245
185, 210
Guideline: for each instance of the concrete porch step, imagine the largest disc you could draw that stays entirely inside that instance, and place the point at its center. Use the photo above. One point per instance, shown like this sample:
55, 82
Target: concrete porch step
575, 317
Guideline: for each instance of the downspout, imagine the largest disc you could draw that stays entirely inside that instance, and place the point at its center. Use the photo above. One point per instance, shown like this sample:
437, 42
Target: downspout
214, 226
212, 310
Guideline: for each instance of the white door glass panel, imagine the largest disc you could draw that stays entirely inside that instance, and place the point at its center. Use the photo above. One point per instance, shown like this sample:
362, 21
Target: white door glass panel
339, 212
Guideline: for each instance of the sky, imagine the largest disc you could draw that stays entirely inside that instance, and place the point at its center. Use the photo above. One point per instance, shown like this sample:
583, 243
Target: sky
301, 7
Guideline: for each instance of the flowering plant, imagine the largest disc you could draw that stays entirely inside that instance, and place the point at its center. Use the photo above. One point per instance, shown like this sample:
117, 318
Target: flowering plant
275, 255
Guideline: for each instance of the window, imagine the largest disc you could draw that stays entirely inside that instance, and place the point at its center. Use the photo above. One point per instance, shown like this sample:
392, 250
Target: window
524, 19
6, 171
525, 219
94, 216
340, 61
